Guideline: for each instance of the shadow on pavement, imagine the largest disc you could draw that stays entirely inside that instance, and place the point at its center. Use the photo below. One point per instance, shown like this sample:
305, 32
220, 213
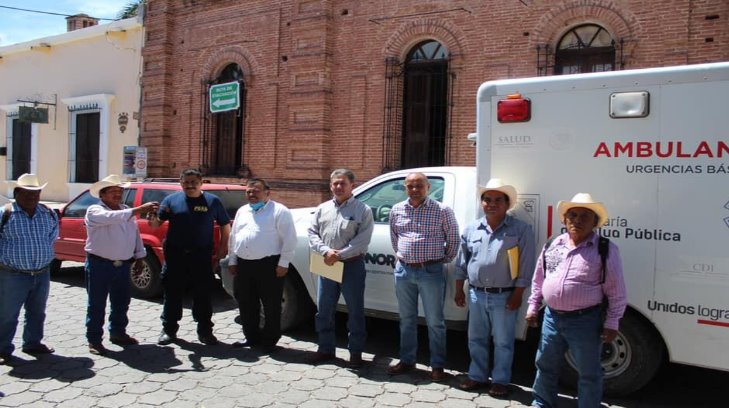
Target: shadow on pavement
58, 367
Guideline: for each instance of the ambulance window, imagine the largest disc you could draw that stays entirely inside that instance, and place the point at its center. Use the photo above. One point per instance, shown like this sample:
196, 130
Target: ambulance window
383, 196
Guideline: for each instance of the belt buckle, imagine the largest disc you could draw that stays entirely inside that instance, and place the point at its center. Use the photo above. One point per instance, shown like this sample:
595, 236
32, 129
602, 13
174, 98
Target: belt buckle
117, 263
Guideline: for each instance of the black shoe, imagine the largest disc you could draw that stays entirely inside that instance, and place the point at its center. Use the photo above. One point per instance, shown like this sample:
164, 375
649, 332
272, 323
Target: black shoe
268, 349
400, 368
165, 339
208, 339
243, 343
97, 349
355, 360
38, 349
321, 358
123, 340
5, 359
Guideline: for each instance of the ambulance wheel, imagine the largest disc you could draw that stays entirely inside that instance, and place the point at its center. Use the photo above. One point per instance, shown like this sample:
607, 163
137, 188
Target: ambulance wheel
630, 361
147, 284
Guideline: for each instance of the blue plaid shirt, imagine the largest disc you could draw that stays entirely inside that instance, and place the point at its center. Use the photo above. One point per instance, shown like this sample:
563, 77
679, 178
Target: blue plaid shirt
27, 243
426, 233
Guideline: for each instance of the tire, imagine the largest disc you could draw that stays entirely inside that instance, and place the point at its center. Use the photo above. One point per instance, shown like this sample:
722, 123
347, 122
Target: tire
296, 306
147, 284
630, 361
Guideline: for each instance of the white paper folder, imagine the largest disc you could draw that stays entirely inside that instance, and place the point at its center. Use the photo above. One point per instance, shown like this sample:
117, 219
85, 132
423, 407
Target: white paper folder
317, 266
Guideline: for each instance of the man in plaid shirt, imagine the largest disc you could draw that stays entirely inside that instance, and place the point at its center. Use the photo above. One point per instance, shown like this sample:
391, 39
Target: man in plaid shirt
424, 235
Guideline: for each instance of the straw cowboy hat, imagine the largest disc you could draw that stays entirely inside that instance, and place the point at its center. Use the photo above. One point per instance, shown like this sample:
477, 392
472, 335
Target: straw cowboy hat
30, 182
112, 180
584, 200
495, 184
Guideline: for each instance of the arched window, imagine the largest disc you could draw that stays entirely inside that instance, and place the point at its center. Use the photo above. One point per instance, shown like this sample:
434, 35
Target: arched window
223, 137
425, 106
583, 49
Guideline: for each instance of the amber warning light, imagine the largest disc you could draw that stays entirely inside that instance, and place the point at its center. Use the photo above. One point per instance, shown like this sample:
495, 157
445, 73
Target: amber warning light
514, 109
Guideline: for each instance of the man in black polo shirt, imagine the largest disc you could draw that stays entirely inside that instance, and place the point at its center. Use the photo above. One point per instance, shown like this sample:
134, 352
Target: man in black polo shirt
188, 251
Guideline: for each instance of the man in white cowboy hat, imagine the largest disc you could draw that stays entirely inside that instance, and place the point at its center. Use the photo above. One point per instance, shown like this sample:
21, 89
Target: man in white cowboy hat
113, 244
496, 285
27, 232
579, 277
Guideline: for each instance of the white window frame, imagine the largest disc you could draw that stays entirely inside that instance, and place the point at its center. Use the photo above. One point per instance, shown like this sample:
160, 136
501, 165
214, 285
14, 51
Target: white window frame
88, 104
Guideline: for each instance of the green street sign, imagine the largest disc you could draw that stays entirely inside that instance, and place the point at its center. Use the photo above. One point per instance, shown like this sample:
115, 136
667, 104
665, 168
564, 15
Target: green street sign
33, 115
224, 97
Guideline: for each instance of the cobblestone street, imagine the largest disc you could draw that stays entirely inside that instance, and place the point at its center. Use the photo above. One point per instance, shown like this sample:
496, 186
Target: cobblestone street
188, 374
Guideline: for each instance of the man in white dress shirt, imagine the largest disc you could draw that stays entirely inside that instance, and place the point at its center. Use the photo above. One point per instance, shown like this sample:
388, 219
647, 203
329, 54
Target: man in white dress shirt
261, 245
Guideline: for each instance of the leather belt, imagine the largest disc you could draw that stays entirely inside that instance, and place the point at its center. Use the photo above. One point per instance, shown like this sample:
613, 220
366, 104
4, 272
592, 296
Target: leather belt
492, 290
31, 272
354, 258
116, 263
578, 312
422, 264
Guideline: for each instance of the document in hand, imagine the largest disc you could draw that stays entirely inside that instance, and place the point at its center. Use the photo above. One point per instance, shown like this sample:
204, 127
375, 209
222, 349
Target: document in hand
513, 261
317, 266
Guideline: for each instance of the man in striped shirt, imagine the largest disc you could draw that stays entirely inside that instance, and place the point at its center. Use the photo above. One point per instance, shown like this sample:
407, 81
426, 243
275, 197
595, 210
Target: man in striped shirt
424, 235
574, 287
26, 251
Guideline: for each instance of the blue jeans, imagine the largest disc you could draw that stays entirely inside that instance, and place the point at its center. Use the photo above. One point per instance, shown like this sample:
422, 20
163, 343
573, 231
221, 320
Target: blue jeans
103, 280
581, 335
430, 283
487, 318
18, 289
352, 288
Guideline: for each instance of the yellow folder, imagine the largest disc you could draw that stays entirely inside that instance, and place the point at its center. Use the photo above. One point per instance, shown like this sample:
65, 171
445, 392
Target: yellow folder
317, 266
513, 261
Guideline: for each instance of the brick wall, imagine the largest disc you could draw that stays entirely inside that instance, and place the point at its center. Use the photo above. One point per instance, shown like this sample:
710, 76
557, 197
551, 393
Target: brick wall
315, 74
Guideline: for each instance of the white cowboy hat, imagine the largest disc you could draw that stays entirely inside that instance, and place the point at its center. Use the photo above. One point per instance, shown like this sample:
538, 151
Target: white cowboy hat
112, 180
495, 184
29, 181
584, 200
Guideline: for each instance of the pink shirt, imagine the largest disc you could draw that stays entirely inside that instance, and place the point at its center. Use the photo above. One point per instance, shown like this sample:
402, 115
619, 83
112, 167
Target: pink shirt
573, 279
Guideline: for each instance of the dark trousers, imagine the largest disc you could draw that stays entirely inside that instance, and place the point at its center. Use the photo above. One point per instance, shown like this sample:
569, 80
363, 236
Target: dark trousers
187, 269
103, 280
255, 284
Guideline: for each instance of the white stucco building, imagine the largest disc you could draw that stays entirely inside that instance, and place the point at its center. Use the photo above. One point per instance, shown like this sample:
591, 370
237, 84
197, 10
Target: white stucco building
89, 80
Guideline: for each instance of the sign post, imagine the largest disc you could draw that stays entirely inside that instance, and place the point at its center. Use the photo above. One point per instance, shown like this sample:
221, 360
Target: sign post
224, 97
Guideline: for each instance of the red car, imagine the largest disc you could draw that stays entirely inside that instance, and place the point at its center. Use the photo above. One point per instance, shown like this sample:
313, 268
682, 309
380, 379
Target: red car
72, 234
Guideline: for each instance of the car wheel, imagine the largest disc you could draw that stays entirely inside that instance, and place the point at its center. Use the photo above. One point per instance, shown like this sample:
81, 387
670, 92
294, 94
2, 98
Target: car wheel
147, 284
296, 306
630, 361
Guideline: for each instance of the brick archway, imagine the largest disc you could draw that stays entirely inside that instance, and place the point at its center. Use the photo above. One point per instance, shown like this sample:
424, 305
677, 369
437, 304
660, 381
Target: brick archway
216, 61
621, 24
411, 33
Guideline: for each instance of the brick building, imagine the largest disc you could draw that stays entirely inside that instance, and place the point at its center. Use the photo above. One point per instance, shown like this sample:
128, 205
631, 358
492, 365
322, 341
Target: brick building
376, 85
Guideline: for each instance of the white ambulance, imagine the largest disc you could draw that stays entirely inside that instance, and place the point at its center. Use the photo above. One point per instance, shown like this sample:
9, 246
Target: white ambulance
653, 145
